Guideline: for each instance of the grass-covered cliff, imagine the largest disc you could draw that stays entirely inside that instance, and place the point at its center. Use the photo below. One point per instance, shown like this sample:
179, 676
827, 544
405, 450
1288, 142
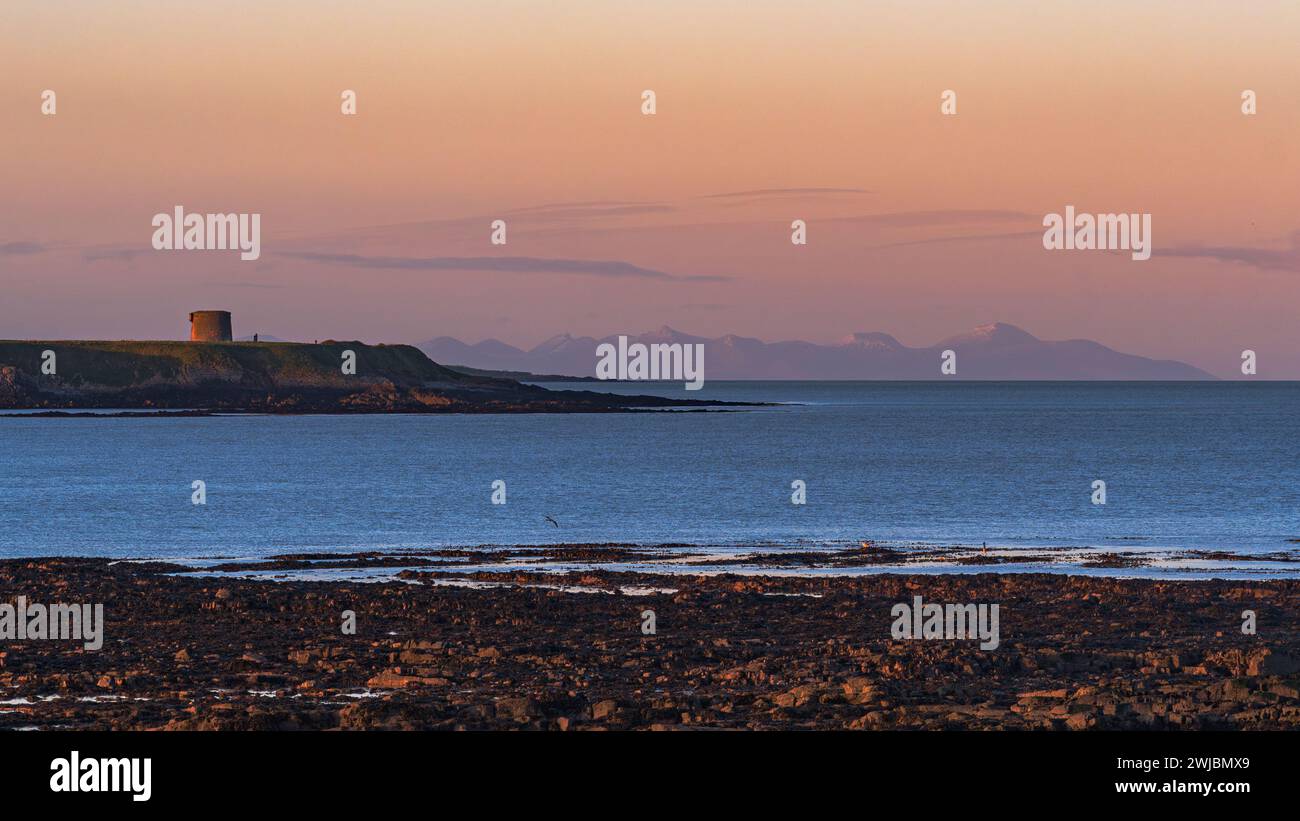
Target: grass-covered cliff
280, 377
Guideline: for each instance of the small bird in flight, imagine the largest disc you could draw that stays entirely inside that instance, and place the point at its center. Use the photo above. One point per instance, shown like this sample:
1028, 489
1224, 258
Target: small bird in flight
552, 521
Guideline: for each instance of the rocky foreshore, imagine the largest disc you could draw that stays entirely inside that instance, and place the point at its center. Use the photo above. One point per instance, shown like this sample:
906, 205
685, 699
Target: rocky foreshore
517, 650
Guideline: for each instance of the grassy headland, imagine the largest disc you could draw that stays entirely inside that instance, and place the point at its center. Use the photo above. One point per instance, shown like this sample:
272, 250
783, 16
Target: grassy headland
279, 377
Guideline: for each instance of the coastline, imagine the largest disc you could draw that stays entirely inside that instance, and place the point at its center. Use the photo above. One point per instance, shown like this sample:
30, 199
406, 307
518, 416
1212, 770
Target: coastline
534, 650
804, 558
273, 378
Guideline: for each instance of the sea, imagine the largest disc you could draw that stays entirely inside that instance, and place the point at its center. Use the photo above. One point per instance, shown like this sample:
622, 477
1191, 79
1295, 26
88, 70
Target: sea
1191, 471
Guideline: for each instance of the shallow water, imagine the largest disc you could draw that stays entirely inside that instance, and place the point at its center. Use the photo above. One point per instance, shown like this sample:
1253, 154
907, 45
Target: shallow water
1187, 465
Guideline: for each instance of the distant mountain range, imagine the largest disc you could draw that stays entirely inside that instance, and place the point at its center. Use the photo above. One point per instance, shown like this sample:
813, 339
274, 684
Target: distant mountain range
995, 351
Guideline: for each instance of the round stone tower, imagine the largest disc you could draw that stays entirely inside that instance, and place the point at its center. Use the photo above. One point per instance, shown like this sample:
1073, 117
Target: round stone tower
210, 326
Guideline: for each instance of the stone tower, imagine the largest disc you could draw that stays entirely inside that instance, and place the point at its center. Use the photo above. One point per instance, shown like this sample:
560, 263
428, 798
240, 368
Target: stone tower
210, 326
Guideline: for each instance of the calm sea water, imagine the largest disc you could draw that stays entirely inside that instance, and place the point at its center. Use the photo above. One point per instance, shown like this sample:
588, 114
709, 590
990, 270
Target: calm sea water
1197, 465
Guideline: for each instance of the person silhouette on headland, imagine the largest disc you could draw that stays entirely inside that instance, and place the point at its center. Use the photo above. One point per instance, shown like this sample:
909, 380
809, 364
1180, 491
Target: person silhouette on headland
254, 337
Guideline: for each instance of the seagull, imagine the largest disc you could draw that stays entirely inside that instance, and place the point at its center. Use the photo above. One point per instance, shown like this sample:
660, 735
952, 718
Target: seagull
552, 521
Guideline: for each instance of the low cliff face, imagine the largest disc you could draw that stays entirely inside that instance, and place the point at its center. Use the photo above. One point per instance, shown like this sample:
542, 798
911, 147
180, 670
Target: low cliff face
264, 377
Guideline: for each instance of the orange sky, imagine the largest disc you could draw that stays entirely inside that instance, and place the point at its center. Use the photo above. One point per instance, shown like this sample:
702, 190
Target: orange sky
470, 112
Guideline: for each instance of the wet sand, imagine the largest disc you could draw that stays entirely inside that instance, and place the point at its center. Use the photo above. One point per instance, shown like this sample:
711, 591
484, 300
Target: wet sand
484, 649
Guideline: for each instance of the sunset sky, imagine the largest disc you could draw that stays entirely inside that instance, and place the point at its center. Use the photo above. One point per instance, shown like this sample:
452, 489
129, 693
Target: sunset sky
919, 225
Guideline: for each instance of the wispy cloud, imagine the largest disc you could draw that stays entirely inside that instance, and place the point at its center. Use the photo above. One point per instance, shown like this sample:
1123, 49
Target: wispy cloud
114, 254
784, 192
216, 283
518, 265
963, 238
20, 248
1265, 259
595, 209
597, 213
909, 219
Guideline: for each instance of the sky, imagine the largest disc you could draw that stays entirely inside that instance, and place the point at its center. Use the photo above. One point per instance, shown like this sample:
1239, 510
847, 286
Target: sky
377, 226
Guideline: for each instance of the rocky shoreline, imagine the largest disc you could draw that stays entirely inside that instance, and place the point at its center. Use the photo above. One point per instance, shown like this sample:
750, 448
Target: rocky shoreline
523, 650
